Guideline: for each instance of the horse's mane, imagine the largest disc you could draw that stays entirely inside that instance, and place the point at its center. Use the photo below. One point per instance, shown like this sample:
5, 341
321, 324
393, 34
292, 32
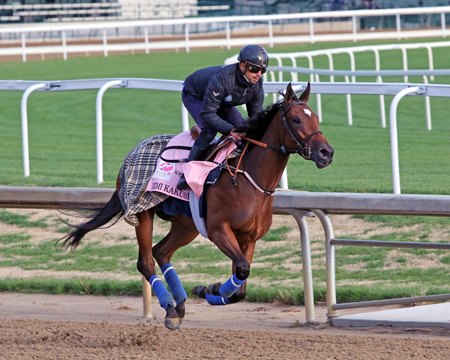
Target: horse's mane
257, 125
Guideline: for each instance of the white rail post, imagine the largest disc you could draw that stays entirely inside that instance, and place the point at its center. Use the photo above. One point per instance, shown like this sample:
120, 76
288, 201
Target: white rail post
294, 74
352, 63
186, 38
405, 63
330, 261
311, 31
319, 101
427, 106
284, 180
311, 67
105, 43
99, 124
382, 106
394, 135
24, 47
308, 287
271, 34
398, 26
147, 299
349, 106
430, 60
64, 44
184, 118
146, 40
354, 27
228, 32
330, 65
24, 111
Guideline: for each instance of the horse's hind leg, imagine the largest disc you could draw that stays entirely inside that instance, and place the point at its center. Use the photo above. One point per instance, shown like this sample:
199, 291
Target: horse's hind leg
146, 266
178, 236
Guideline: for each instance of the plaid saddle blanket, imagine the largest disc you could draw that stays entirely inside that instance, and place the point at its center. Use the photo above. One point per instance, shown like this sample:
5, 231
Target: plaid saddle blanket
137, 168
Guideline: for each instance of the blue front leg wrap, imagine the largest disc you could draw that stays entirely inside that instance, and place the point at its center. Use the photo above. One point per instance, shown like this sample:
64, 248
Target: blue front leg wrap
164, 296
217, 300
174, 283
230, 286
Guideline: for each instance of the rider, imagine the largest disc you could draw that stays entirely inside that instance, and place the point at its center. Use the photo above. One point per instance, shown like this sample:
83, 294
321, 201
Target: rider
211, 95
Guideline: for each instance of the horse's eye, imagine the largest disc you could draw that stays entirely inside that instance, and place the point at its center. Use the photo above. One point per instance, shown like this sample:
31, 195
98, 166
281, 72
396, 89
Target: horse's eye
296, 120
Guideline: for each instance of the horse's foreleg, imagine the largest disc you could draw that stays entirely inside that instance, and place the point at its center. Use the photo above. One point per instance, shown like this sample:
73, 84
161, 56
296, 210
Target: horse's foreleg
223, 294
248, 250
146, 266
178, 236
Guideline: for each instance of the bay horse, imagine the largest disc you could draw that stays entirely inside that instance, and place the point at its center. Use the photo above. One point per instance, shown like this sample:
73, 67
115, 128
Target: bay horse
239, 212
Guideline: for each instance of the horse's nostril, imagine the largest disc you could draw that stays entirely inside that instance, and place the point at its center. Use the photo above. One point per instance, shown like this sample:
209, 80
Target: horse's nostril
324, 153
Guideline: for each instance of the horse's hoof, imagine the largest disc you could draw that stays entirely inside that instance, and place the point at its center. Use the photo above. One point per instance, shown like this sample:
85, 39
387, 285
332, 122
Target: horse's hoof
199, 291
171, 321
181, 311
213, 289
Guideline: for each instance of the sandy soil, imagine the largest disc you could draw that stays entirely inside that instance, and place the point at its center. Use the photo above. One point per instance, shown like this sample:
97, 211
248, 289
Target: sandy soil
91, 327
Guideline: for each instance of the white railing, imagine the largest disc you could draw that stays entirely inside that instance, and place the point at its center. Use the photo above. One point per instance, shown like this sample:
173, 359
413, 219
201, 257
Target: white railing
424, 74
288, 64
395, 89
226, 32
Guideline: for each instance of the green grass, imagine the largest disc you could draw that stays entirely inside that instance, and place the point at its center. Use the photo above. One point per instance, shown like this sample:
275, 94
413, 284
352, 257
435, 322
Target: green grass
62, 125
106, 265
62, 149
19, 220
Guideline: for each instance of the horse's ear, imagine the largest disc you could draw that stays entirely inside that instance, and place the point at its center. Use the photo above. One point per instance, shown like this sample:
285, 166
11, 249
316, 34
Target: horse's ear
305, 94
289, 94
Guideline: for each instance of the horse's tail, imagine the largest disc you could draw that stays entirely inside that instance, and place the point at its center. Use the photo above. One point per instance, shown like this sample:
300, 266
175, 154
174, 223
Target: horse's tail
98, 217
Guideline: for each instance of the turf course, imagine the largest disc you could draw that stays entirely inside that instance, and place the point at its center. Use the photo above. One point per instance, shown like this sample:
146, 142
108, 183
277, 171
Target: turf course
62, 125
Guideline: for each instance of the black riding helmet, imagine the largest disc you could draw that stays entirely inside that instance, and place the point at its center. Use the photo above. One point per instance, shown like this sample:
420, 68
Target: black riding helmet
255, 55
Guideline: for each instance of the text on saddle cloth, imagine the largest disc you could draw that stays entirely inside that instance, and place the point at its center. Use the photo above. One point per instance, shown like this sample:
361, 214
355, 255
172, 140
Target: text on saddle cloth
167, 174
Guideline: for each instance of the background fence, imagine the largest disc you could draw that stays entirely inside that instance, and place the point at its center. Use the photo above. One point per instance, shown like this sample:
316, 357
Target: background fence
145, 36
398, 90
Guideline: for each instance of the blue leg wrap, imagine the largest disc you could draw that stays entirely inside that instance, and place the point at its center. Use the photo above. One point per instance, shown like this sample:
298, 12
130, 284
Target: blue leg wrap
217, 300
230, 286
174, 283
164, 296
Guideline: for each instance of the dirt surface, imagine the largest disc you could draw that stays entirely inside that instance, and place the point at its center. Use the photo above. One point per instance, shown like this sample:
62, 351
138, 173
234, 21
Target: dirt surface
91, 327
41, 326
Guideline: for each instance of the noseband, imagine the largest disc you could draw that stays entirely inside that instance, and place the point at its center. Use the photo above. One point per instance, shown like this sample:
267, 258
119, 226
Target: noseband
301, 144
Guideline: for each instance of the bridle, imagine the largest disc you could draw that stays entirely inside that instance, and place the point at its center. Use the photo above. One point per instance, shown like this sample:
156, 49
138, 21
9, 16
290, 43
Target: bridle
301, 147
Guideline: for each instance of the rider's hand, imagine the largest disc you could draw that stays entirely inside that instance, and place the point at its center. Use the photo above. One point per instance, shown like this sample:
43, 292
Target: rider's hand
237, 135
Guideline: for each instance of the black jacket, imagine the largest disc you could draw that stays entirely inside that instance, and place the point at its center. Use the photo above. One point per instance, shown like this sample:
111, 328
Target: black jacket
220, 87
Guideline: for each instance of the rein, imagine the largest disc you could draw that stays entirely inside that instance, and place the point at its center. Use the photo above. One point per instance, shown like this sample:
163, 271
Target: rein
245, 173
301, 148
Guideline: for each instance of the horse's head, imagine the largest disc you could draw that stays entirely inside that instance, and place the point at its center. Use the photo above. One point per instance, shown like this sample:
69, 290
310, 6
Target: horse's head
302, 124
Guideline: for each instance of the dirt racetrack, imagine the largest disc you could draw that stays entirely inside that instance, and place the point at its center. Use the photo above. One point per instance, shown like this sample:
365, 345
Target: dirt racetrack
91, 327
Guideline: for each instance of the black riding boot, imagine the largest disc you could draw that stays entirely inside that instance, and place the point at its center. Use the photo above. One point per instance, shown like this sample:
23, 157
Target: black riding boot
195, 154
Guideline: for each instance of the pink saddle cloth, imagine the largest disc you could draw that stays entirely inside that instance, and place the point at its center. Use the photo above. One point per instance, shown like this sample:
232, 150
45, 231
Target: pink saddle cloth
167, 173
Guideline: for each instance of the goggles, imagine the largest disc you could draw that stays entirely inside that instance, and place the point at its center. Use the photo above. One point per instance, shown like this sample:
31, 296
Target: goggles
255, 69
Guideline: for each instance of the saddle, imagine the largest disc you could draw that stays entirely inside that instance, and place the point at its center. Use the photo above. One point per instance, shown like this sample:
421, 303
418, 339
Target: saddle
213, 149
172, 164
